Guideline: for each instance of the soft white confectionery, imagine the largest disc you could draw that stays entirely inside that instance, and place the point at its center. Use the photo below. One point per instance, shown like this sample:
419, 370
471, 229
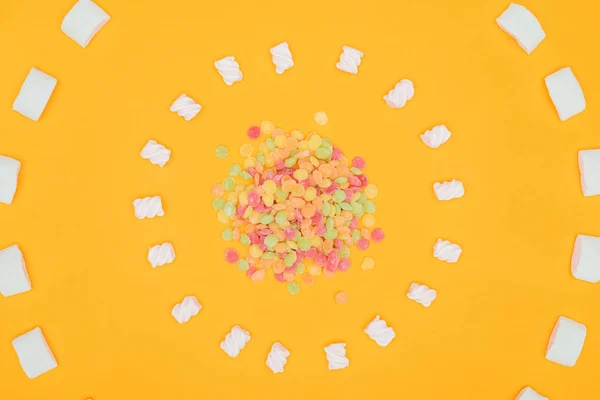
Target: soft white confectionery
400, 94
380, 332
436, 136
34, 354
566, 342
161, 254
148, 207
350, 59
235, 341
229, 70
523, 26
185, 107
589, 169
277, 358
443, 250
336, 356
9, 176
185, 310
449, 190
566, 93
282, 57
34, 94
13, 273
585, 261
529, 394
156, 153
422, 294
84, 20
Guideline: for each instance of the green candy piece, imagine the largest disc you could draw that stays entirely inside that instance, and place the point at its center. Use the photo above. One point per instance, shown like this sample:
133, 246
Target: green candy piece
357, 209
369, 207
245, 239
268, 255
218, 204
281, 217
271, 241
246, 176
280, 194
355, 171
290, 162
326, 142
345, 206
338, 209
243, 265
294, 152
330, 234
222, 152
293, 288
290, 259
356, 236
329, 223
303, 243
326, 209
344, 252
270, 143
260, 158
341, 180
235, 170
229, 209
362, 199
300, 268
323, 153
227, 234
228, 183
266, 219
339, 196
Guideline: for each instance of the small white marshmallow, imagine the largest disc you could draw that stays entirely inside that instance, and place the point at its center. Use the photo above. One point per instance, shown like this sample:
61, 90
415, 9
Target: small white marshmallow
84, 20
9, 176
34, 354
566, 93
13, 273
566, 342
523, 26
34, 94
585, 262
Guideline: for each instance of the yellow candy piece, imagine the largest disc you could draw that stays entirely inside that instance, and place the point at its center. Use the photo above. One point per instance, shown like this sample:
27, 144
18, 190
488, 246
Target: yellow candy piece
314, 270
300, 174
297, 134
232, 198
277, 131
280, 141
316, 241
269, 186
368, 263
371, 191
321, 118
246, 150
269, 162
243, 198
222, 217
267, 127
314, 142
368, 220
255, 251
303, 145
268, 199
249, 162
310, 193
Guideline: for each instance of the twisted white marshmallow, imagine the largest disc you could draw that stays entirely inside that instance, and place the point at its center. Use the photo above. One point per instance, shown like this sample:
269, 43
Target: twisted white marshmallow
229, 70
156, 153
185, 310
349, 60
148, 207
400, 94
235, 341
185, 107
380, 332
282, 57
336, 356
443, 250
277, 357
449, 190
421, 294
436, 137
161, 254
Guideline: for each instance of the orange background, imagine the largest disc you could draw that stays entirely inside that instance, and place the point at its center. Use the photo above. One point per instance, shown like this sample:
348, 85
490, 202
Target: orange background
106, 313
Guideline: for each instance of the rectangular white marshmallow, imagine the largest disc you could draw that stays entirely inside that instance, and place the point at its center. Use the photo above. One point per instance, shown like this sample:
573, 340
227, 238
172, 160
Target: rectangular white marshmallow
585, 262
529, 394
589, 168
9, 175
34, 94
83, 22
566, 93
13, 274
566, 342
523, 26
35, 356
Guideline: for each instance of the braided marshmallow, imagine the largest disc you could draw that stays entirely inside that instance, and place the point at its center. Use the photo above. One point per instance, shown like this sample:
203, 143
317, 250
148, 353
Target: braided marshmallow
185, 310
185, 107
282, 57
449, 190
229, 70
161, 254
421, 294
235, 341
336, 356
156, 153
277, 357
436, 137
379, 331
148, 207
400, 94
349, 60
443, 250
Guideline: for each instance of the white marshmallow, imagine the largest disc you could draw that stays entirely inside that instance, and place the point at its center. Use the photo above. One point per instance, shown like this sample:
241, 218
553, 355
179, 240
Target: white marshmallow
13, 274
9, 175
83, 22
185, 107
35, 356
529, 394
184, 311
161, 254
523, 26
589, 168
350, 60
235, 341
282, 57
585, 262
229, 70
566, 342
566, 93
34, 94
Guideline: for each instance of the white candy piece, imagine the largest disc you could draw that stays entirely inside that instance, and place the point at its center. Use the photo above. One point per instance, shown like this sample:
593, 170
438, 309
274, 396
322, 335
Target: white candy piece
229, 70
585, 262
529, 394
156, 153
443, 250
437, 136
523, 26
83, 22
380, 332
589, 168
566, 342
421, 294
34, 354
277, 358
148, 207
449, 190
161, 254
350, 59
566, 93
184, 311
336, 356
9, 176
282, 57
185, 107
34, 94
13, 273
400, 94
235, 341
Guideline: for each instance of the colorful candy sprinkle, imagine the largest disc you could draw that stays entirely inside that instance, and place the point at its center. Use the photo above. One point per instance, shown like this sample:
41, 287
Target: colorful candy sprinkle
368, 263
321, 118
222, 152
254, 132
293, 288
231, 256
341, 297
377, 235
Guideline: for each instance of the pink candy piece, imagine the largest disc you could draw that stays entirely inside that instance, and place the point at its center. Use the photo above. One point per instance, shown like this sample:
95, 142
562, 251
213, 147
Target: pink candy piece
264, 232
320, 258
362, 244
292, 268
358, 162
253, 199
289, 233
332, 188
343, 265
252, 171
349, 194
363, 180
337, 243
240, 211
254, 238
317, 218
354, 181
251, 271
377, 235
310, 253
353, 223
279, 277
279, 165
231, 256
320, 230
336, 154
254, 132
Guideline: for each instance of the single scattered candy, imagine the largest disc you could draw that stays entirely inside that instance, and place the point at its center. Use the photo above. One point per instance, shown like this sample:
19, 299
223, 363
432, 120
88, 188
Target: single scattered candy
231, 256
341, 298
359, 162
368, 263
377, 235
222, 152
362, 244
254, 132
321, 118
293, 288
